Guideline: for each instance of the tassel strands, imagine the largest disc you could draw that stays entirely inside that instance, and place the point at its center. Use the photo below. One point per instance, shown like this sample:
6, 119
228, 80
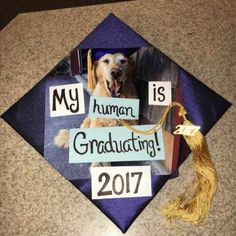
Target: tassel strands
91, 84
194, 203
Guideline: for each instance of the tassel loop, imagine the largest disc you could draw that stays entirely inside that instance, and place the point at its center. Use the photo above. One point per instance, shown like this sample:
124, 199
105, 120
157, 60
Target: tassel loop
182, 112
91, 83
159, 125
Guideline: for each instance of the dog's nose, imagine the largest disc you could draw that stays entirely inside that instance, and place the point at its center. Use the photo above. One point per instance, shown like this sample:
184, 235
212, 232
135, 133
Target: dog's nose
116, 73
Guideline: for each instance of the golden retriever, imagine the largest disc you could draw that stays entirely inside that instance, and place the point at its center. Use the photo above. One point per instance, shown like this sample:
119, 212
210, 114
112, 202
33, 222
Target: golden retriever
112, 76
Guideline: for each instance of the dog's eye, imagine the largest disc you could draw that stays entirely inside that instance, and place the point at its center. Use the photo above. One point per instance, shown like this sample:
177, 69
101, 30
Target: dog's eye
106, 61
123, 61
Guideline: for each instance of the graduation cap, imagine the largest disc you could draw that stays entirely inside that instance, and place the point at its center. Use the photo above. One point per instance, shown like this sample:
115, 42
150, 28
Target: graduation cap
97, 53
203, 106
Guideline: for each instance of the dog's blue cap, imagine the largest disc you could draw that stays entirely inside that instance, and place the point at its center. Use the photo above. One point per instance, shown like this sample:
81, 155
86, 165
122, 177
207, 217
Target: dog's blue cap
98, 53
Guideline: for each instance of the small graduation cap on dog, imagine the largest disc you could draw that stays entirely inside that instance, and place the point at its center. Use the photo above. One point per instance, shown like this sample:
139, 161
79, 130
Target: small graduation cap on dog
95, 54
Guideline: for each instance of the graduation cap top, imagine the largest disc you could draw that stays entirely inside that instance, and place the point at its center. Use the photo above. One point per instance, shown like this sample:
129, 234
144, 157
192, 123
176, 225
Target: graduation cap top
112, 32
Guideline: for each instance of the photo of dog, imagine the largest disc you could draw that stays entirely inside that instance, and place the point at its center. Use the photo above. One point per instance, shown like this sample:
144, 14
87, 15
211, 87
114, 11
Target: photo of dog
112, 75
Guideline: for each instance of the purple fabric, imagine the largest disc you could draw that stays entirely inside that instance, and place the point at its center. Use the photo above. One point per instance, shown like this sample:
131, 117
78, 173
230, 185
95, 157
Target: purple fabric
26, 116
204, 108
113, 33
122, 212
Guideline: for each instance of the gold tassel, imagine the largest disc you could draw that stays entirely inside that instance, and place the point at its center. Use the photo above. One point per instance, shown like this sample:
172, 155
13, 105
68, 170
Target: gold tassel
91, 84
194, 203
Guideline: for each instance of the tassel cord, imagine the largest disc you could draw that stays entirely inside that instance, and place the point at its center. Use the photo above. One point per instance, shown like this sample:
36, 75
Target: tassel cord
192, 205
159, 125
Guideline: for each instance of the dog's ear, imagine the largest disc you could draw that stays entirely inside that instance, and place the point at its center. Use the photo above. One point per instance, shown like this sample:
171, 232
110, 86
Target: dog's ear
131, 70
129, 89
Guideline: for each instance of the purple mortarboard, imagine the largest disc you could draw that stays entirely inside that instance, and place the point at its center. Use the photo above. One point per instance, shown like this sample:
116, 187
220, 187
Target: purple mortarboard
27, 116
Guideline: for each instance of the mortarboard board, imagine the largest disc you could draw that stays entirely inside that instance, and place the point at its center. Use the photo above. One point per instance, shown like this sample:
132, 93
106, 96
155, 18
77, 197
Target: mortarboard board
204, 112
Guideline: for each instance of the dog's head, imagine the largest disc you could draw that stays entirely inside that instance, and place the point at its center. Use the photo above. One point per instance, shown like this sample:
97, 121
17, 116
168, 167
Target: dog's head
112, 71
